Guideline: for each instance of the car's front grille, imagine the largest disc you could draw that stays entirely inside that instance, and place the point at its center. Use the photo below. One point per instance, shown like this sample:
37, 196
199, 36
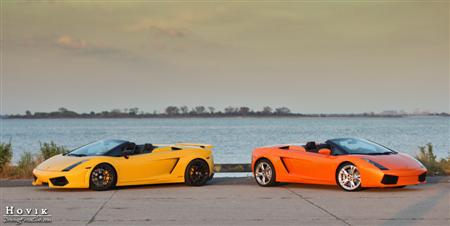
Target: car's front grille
34, 177
59, 181
389, 179
422, 177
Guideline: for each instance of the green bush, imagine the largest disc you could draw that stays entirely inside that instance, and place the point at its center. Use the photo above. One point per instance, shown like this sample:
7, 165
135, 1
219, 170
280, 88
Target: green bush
445, 163
5, 154
50, 149
435, 167
26, 164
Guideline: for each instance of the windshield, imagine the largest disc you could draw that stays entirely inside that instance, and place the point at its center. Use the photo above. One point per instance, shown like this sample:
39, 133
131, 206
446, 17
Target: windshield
358, 146
97, 148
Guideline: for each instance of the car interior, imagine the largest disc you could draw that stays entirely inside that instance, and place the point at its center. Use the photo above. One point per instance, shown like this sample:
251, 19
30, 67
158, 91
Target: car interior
313, 147
138, 149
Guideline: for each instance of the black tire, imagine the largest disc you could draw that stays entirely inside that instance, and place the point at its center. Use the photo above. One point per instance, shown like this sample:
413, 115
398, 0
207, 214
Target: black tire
103, 177
266, 173
211, 177
197, 173
351, 180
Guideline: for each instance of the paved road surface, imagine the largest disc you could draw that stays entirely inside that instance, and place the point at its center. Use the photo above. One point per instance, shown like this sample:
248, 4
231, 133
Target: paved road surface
237, 201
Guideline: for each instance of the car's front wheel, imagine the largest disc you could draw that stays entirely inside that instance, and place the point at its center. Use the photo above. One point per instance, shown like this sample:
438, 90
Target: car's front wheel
264, 173
103, 177
197, 173
348, 177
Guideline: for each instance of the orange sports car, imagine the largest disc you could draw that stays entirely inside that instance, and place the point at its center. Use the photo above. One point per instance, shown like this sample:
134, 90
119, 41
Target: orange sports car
348, 162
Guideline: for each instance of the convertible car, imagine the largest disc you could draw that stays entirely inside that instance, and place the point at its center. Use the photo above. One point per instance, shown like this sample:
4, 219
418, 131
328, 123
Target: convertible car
105, 164
348, 162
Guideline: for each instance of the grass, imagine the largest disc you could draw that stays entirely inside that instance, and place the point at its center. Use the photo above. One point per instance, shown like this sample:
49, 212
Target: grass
435, 167
28, 161
5, 154
50, 149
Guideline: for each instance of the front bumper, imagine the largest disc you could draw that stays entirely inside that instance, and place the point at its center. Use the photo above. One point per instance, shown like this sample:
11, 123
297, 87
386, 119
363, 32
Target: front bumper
393, 178
58, 179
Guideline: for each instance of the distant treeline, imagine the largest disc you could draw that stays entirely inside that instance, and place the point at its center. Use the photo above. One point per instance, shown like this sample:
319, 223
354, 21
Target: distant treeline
199, 111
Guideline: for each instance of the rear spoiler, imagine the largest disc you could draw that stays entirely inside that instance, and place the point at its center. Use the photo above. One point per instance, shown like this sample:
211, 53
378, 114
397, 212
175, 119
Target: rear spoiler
204, 146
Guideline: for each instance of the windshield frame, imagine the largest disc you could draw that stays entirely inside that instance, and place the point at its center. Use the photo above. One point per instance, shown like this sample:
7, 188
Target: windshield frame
381, 149
104, 152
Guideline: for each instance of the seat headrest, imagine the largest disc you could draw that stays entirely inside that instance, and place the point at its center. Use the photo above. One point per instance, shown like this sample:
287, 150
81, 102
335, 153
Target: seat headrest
310, 145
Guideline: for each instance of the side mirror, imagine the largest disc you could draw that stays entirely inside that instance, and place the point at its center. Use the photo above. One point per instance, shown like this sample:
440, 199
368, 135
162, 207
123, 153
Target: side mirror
126, 153
325, 151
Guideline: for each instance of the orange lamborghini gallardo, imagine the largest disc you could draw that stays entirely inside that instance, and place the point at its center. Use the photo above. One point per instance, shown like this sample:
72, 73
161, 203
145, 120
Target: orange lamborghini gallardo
348, 162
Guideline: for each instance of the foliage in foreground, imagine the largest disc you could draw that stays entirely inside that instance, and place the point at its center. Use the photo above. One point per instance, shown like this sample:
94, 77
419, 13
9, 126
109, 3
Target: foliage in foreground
50, 149
27, 161
427, 157
5, 154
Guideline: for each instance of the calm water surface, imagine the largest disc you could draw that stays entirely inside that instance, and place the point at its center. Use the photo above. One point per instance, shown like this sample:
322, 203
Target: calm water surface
234, 138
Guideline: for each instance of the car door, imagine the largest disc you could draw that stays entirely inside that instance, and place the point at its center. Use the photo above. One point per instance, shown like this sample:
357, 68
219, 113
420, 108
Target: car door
308, 166
147, 167
319, 167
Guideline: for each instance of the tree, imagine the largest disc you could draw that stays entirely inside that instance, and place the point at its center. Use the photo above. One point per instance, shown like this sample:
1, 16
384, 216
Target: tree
200, 110
28, 113
172, 110
184, 109
62, 109
267, 110
211, 110
230, 110
133, 111
116, 111
244, 110
282, 111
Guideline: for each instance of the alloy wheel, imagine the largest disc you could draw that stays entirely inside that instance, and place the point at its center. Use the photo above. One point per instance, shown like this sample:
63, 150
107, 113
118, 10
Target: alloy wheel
263, 173
349, 177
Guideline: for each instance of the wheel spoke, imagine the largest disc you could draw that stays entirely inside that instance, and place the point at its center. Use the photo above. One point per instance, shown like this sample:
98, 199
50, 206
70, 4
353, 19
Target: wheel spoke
349, 177
346, 173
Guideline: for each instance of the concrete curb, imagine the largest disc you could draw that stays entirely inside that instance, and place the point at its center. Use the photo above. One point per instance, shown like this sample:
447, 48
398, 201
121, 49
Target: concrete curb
233, 168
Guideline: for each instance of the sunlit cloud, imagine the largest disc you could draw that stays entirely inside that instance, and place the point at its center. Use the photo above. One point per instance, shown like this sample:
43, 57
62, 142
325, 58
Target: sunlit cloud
69, 42
78, 46
156, 28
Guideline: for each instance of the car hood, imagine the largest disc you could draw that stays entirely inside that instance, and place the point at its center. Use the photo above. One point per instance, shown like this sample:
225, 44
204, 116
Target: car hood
60, 162
398, 161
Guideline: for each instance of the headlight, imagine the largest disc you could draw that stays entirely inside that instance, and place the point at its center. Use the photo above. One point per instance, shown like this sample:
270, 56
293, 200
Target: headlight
378, 165
73, 166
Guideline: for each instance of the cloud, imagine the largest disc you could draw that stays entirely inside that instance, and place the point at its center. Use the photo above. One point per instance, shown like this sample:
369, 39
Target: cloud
80, 46
69, 42
157, 28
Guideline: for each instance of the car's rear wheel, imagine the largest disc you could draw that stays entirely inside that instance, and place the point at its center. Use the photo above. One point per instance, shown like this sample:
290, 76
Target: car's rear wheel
348, 177
197, 173
264, 173
103, 177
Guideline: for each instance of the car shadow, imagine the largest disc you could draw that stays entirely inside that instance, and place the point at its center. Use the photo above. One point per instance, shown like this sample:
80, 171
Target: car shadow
250, 181
412, 188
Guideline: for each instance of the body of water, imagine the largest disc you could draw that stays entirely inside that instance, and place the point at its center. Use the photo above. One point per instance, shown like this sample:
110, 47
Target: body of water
233, 138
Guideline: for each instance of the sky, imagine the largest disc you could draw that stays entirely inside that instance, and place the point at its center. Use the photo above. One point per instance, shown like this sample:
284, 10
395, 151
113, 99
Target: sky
313, 57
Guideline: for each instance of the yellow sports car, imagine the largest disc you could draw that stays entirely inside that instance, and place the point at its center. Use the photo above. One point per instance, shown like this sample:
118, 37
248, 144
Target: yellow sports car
105, 164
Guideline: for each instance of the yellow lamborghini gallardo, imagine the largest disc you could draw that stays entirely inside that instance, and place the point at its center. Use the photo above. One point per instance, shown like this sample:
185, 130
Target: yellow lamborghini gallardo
105, 164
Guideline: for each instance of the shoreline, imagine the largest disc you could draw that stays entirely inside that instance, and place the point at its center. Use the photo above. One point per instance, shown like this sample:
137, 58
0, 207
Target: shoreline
232, 117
